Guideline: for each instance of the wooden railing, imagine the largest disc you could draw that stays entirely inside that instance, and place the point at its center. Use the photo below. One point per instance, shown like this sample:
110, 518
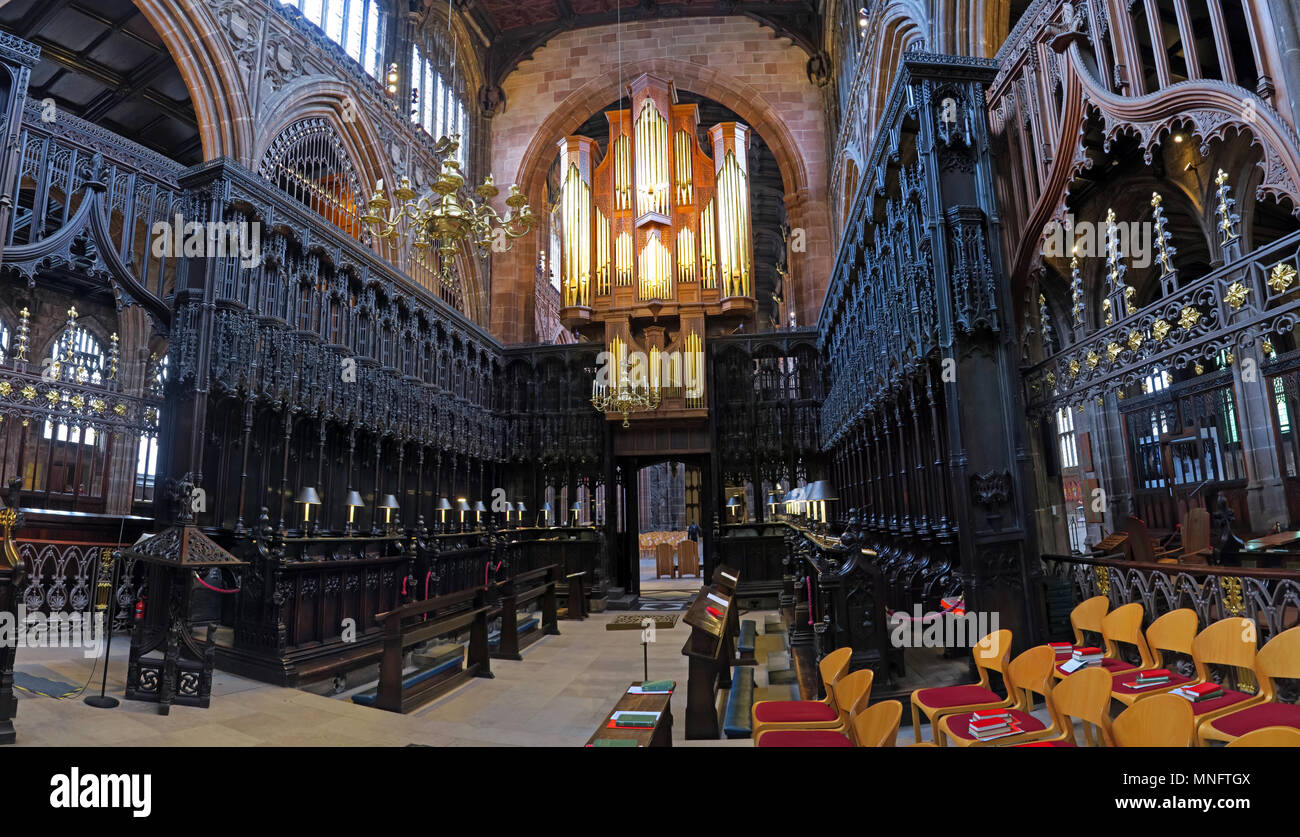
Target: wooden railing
1270, 597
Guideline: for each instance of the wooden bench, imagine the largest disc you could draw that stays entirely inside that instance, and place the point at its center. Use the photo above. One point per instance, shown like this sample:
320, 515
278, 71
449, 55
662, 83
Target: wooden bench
746, 642
661, 735
403, 628
522, 589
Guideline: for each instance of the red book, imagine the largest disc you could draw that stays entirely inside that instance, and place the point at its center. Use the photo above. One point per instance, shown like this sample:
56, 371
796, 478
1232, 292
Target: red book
1087, 651
713, 611
985, 714
1061, 647
986, 724
1153, 673
1201, 689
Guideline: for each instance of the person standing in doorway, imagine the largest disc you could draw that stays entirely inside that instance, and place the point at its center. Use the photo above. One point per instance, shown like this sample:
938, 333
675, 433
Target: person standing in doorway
693, 531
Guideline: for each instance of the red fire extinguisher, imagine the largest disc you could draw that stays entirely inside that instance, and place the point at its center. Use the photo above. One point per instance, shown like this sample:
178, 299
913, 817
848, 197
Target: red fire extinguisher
139, 608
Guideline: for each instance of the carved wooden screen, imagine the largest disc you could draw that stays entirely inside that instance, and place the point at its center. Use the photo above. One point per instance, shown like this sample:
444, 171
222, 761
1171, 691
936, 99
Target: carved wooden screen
308, 162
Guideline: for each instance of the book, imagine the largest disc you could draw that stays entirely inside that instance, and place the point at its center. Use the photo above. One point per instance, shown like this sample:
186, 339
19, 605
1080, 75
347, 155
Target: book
636, 720
1152, 677
713, 611
658, 685
615, 742
1061, 648
985, 714
1200, 692
1010, 729
988, 725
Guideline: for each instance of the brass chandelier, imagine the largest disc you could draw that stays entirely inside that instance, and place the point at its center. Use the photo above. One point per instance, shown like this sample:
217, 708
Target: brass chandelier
625, 397
446, 217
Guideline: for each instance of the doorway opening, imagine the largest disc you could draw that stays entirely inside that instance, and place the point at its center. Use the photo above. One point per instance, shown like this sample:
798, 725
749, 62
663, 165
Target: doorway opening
670, 527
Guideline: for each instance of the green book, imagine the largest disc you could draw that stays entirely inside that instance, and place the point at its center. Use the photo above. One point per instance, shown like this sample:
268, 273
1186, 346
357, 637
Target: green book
614, 742
658, 685
635, 721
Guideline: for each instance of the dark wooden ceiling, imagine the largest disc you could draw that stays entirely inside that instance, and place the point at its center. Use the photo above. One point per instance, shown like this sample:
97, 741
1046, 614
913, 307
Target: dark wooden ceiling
515, 28
102, 61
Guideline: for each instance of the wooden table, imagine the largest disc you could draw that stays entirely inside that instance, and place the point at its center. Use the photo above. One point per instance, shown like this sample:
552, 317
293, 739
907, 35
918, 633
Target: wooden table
1281, 549
660, 736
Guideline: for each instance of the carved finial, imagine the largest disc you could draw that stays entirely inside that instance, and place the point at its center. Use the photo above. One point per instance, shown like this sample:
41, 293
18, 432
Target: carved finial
1227, 215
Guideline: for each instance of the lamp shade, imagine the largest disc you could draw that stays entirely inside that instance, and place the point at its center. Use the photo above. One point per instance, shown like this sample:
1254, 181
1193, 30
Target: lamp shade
510, 507
771, 498
308, 496
444, 504
354, 500
462, 505
732, 502
390, 502
479, 507
577, 505
821, 490
520, 507
546, 507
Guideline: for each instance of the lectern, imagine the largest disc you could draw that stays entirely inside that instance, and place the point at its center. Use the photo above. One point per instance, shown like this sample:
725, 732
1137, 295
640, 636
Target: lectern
711, 650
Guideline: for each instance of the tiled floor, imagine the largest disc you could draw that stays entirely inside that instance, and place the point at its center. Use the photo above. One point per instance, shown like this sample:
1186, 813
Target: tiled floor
555, 697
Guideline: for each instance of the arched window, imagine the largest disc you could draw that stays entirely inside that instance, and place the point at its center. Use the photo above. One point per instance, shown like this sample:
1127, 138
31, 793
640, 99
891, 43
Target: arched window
355, 25
308, 162
146, 466
435, 106
77, 357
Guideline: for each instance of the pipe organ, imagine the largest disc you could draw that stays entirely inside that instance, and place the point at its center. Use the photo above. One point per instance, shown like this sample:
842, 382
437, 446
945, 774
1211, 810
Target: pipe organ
657, 248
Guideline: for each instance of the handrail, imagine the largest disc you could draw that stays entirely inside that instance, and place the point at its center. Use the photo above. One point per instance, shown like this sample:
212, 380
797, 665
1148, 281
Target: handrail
1175, 569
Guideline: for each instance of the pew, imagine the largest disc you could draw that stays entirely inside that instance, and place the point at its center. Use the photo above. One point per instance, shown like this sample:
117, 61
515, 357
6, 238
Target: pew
711, 651
522, 589
403, 629
576, 606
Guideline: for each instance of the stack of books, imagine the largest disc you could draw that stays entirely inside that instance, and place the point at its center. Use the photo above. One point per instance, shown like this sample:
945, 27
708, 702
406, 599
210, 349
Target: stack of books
1088, 655
1082, 657
1200, 692
1150, 677
988, 724
1061, 649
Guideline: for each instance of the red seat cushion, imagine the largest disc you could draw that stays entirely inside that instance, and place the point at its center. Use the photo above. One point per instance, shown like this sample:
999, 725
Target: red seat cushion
957, 696
1124, 682
1258, 717
804, 738
1229, 698
793, 712
957, 724
1046, 744
1108, 663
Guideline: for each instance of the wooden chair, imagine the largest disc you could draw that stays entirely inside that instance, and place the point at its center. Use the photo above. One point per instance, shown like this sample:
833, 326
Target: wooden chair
664, 561
1162, 720
852, 694
991, 654
877, 726
1123, 624
1083, 696
1141, 547
1269, 737
1196, 548
688, 559
1228, 642
1172, 632
1278, 659
806, 714
1027, 675
1087, 616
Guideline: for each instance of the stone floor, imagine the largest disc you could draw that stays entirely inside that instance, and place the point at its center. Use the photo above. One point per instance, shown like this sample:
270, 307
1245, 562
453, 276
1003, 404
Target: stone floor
555, 697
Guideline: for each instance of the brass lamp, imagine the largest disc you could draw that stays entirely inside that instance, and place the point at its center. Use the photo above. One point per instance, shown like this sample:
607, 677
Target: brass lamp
444, 506
389, 505
307, 498
479, 509
733, 506
462, 506
353, 503
547, 511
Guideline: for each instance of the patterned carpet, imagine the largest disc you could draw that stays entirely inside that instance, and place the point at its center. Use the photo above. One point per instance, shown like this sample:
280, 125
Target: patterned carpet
669, 600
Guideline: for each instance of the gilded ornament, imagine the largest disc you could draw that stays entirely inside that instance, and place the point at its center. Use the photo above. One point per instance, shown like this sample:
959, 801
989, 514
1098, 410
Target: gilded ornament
1236, 296
1160, 329
1281, 277
1189, 318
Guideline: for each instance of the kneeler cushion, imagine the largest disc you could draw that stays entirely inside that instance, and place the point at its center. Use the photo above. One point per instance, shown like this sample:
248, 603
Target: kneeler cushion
794, 712
803, 738
1258, 717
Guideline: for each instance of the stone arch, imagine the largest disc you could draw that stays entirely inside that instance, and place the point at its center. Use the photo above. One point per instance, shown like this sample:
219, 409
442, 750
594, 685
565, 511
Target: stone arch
512, 288
192, 37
